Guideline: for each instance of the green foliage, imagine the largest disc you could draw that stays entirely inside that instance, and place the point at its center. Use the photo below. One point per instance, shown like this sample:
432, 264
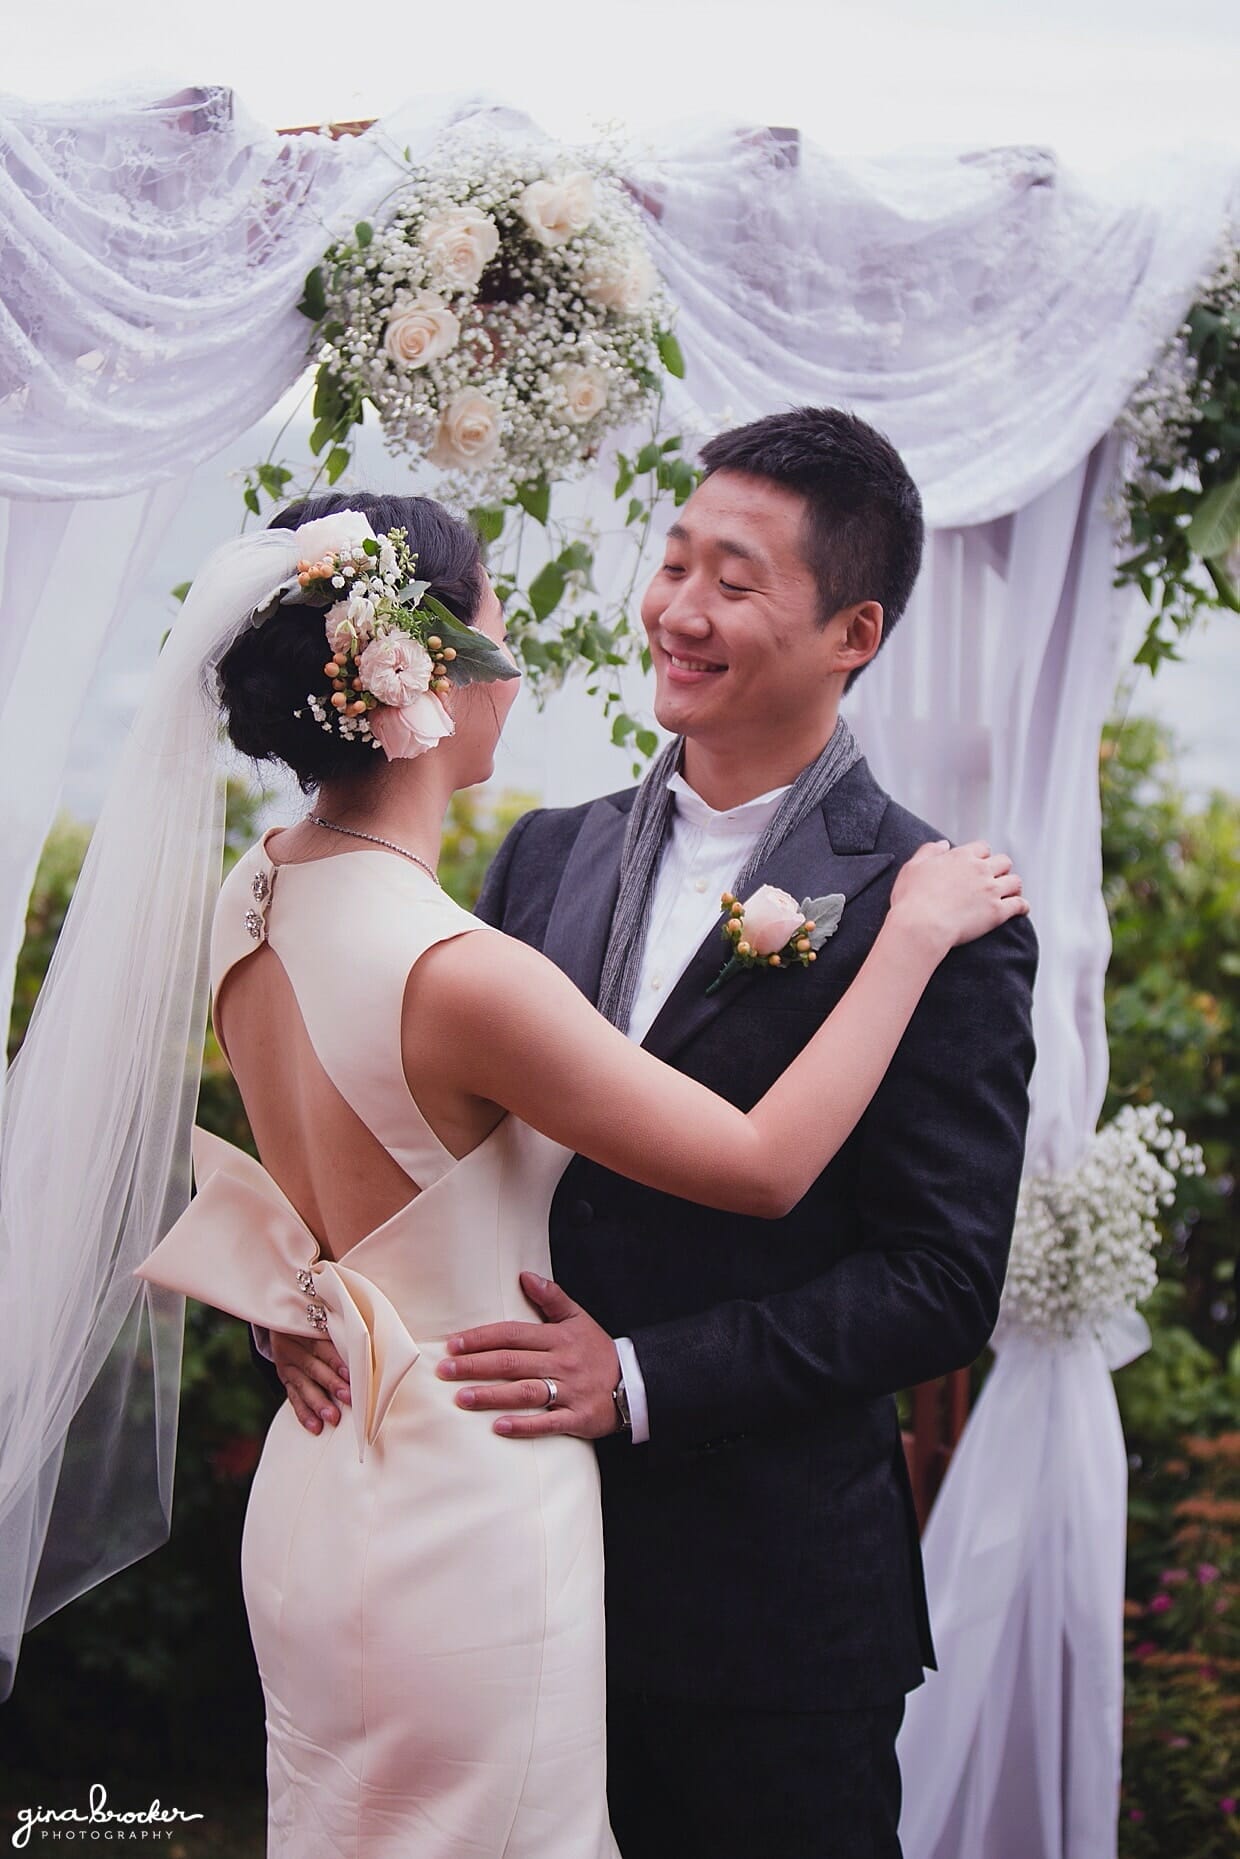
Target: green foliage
1171, 877
1172, 884
1182, 1658
59, 865
1182, 500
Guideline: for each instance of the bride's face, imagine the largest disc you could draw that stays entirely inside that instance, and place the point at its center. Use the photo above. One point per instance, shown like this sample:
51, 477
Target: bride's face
480, 710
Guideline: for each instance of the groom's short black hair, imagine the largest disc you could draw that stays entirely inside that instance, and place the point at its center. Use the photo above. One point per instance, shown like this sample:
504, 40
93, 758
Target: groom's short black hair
863, 521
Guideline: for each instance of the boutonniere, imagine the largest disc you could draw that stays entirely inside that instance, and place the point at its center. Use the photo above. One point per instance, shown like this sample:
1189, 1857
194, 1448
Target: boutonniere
771, 930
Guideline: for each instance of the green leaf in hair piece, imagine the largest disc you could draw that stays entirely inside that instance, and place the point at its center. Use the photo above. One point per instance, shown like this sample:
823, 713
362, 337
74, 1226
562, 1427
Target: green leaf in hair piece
478, 659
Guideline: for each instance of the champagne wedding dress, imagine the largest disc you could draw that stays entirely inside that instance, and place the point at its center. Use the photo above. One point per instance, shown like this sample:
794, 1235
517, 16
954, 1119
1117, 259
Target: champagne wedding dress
425, 1596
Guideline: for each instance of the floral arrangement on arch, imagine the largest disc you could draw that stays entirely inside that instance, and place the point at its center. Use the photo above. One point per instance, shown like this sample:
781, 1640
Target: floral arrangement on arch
1179, 509
503, 317
1083, 1244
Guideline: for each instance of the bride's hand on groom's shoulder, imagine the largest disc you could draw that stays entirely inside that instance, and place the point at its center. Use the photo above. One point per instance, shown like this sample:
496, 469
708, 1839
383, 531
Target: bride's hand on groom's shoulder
515, 1362
313, 1376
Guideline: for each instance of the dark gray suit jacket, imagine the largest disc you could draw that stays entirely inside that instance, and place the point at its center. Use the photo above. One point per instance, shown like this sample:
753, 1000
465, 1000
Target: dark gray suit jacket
762, 1549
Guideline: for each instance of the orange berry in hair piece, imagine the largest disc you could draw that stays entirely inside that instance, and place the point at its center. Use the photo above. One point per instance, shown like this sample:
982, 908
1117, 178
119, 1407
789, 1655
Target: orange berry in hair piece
434, 643
775, 961
339, 700
331, 669
743, 948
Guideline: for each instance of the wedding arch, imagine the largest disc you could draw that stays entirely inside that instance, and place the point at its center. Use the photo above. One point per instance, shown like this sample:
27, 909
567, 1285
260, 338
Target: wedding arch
993, 313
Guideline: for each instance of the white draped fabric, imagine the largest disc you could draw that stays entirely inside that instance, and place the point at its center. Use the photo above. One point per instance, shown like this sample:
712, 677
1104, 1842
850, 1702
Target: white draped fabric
987, 715
989, 311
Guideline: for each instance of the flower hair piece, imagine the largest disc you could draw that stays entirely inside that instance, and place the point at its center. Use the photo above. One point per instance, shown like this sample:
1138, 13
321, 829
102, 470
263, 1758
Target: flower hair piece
394, 650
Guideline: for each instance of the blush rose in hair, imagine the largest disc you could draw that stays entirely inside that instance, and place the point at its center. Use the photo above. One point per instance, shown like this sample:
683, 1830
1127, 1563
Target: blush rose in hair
412, 729
771, 917
395, 669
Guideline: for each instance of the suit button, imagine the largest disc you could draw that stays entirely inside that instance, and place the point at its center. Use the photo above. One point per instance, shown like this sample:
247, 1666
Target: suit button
583, 1213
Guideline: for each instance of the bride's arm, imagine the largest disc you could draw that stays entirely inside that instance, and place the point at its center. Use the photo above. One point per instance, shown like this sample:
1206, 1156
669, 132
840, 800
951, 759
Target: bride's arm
509, 1028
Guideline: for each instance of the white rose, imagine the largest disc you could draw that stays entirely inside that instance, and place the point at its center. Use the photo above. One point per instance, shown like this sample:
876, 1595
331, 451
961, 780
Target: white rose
468, 432
395, 669
582, 393
623, 282
350, 623
333, 535
555, 210
771, 917
422, 333
460, 243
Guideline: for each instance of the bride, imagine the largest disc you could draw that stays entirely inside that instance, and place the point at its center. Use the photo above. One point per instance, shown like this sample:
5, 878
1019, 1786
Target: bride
425, 1603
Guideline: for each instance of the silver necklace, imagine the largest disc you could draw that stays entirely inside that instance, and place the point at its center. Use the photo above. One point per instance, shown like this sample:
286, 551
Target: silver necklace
352, 833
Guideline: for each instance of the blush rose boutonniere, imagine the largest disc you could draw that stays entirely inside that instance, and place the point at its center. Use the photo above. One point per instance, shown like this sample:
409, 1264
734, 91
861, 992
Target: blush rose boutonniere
771, 930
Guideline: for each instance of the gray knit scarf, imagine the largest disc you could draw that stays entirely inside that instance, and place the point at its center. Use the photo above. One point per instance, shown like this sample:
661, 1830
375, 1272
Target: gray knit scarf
643, 842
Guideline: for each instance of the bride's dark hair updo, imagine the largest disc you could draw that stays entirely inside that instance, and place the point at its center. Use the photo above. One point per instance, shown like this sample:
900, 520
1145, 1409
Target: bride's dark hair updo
266, 675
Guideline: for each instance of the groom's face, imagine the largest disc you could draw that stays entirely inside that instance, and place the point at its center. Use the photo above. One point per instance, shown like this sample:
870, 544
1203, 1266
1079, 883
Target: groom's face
733, 616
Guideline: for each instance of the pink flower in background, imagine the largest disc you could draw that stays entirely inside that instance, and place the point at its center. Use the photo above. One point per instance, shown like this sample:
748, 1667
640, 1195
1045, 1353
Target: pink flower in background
1144, 1650
1206, 1573
1136, 1813
1228, 1803
771, 917
1159, 1604
1170, 1577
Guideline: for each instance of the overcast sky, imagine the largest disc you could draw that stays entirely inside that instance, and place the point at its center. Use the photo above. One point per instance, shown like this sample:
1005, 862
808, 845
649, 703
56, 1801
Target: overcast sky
1096, 78
1100, 81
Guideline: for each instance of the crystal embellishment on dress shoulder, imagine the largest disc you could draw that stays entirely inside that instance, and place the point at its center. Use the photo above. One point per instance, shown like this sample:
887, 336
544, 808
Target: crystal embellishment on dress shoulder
305, 1281
318, 1315
256, 919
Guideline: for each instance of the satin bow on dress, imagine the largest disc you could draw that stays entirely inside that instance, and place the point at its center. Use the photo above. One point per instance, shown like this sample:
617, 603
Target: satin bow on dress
241, 1246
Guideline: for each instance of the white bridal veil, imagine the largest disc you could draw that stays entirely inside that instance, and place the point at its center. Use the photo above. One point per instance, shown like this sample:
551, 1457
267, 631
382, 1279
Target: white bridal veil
94, 1145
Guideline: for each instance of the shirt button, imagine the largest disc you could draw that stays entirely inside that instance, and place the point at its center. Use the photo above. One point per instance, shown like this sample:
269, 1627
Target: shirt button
656, 982
699, 884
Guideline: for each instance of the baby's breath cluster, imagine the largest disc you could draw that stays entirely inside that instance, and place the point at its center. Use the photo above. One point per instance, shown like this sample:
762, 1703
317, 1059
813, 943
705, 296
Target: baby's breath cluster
503, 317
1083, 1246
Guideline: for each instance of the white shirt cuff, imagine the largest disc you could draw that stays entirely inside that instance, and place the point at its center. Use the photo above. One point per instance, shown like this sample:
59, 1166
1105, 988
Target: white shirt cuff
262, 1341
635, 1388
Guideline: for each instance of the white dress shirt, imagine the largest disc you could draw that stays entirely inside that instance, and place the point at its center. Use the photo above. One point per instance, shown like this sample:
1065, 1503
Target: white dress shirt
703, 855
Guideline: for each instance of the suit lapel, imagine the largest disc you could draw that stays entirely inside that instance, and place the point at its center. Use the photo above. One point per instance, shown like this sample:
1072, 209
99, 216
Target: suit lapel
829, 851
580, 920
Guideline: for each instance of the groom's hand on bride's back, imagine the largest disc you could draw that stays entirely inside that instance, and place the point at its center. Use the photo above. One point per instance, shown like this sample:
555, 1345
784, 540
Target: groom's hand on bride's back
314, 1378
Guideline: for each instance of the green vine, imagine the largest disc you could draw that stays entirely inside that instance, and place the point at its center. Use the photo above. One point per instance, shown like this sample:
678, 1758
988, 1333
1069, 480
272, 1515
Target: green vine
1181, 501
559, 622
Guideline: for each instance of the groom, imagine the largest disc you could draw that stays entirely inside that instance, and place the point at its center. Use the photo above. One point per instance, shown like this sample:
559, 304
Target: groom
765, 1607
